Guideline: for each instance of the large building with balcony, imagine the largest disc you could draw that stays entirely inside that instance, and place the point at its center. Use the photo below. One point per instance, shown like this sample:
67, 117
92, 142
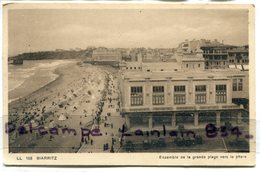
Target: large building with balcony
238, 56
216, 56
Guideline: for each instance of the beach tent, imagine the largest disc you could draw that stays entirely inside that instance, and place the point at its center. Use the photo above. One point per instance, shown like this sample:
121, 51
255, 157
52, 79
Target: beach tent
62, 117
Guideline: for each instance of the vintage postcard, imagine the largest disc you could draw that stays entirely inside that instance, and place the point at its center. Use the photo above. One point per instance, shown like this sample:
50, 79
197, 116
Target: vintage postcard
129, 84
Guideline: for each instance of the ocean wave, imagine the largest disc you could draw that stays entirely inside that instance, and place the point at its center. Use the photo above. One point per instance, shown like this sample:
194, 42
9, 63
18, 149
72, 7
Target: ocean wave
17, 84
20, 76
11, 100
52, 64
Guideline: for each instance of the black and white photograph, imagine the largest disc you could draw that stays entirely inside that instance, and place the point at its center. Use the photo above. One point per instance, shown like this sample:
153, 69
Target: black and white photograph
124, 81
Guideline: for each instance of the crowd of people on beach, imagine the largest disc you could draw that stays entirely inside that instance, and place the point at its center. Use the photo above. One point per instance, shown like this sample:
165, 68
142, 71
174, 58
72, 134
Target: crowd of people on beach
81, 99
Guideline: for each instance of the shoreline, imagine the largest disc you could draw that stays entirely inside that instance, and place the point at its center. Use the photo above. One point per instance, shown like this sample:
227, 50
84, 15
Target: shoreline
38, 90
55, 71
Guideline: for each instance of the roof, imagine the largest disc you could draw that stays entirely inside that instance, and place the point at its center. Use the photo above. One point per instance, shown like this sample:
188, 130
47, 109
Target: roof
192, 59
238, 50
216, 46
159, 60
180, 75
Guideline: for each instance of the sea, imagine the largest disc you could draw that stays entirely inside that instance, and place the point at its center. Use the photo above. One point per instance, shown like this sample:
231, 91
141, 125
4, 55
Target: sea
36, 72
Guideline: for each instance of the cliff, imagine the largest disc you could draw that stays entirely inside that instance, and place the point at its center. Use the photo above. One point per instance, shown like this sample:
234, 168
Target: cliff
66, 54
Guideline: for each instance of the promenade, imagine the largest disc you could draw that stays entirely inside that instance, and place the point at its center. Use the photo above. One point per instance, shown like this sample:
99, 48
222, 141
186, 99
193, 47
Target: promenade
109, 124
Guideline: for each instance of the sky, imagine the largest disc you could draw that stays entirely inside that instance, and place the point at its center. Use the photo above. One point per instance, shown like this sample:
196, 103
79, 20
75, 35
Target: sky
32, 30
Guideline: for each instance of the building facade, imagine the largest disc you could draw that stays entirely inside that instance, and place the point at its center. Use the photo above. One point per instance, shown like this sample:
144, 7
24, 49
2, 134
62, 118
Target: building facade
216, 56
238, 56
106, 57
153, 99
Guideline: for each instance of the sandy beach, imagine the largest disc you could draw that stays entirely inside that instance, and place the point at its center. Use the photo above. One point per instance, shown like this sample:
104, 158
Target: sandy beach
70, 101
31, 76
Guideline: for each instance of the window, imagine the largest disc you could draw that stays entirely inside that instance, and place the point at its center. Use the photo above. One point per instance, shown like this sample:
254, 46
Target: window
199, 65
134, 67
200, 88
200, 94
158, 95
240, 85
179, 94
221, 93
179, 88
237, 84
187, 65
136, 96
130, 67
234, 84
